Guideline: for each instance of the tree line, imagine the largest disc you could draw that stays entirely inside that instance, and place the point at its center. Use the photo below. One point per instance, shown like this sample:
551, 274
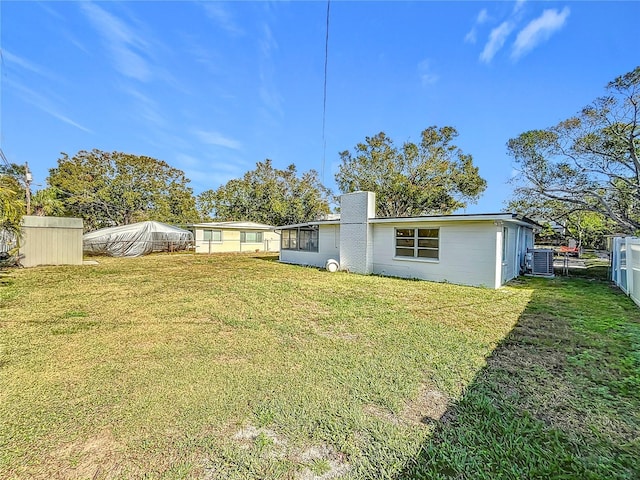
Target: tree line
114, 188
583, 174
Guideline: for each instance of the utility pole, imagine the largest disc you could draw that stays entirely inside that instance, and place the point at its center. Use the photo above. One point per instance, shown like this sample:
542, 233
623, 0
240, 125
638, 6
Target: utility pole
27, 185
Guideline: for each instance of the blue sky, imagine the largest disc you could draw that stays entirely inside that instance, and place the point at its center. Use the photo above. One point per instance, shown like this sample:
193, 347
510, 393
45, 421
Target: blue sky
214, 87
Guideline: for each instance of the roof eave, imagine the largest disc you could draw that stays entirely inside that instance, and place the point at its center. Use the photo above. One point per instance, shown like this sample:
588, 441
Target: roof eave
308, 224
485, 217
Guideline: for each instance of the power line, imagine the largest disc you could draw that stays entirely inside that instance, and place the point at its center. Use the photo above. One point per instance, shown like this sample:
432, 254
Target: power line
324, 99
3, 158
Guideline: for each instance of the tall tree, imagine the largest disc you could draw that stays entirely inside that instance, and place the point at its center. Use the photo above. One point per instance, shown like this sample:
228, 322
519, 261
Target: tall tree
14, 170
109, 189
589, 162
268, 195
431, 177
588, 228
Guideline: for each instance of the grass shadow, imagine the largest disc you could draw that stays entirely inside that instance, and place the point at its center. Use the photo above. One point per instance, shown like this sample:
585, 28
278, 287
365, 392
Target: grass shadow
273, 257
5, 278
558, 398
592, 271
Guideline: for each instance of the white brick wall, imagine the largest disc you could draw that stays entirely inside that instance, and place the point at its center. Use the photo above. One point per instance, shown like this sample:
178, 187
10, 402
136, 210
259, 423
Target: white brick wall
356, 234
466, 254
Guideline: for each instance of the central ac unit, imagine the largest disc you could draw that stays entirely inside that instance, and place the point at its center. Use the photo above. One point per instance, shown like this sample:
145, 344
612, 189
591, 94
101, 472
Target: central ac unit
539, 262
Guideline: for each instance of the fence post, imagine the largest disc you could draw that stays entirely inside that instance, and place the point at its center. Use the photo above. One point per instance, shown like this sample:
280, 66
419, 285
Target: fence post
617, 254
629, 262
614, 260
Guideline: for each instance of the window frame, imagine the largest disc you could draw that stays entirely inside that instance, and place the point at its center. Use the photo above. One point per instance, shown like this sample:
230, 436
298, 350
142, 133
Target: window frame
420, 245
304, 239
211, 231
259, 236
288, 241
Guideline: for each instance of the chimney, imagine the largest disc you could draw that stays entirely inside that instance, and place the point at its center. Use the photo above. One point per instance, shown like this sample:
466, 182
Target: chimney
356, 233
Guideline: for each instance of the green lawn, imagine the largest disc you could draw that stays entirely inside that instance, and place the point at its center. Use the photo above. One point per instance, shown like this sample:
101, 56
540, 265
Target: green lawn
233, 366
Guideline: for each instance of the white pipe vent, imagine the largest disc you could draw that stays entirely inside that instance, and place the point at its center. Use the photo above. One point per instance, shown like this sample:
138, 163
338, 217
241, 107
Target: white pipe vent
332, 265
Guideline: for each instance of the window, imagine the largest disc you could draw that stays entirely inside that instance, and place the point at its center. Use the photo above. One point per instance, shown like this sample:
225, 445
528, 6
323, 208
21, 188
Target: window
289, 239
302, 238
250, 237
212, 235
418, 243
308, 240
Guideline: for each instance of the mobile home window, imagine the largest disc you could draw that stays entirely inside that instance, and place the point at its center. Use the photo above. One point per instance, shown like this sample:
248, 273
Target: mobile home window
250, 237
303, 239
212, 235
418, 243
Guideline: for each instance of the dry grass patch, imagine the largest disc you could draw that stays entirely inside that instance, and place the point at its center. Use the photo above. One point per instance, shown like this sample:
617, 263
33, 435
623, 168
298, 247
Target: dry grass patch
322, 462
93, 457
426, 408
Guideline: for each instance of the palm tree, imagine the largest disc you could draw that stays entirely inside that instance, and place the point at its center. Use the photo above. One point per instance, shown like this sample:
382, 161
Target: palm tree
12, 208
47, 202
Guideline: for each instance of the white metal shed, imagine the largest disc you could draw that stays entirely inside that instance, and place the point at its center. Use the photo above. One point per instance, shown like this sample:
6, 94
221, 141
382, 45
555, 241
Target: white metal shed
50, 241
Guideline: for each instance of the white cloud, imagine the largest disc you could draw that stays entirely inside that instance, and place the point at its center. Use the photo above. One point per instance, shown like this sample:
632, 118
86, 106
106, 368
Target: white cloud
270, 97
222, 17
216, 138
497, 37
268, 91
75, 42
518, 6
43, 103
51, 11
539, 30
64, 119
267, 43
471, 36
427, 77
482, 17
127, 48
27, 65
62, 25
146, 108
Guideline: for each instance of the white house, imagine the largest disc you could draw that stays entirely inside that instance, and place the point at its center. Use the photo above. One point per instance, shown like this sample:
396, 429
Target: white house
479, 250
235, 237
